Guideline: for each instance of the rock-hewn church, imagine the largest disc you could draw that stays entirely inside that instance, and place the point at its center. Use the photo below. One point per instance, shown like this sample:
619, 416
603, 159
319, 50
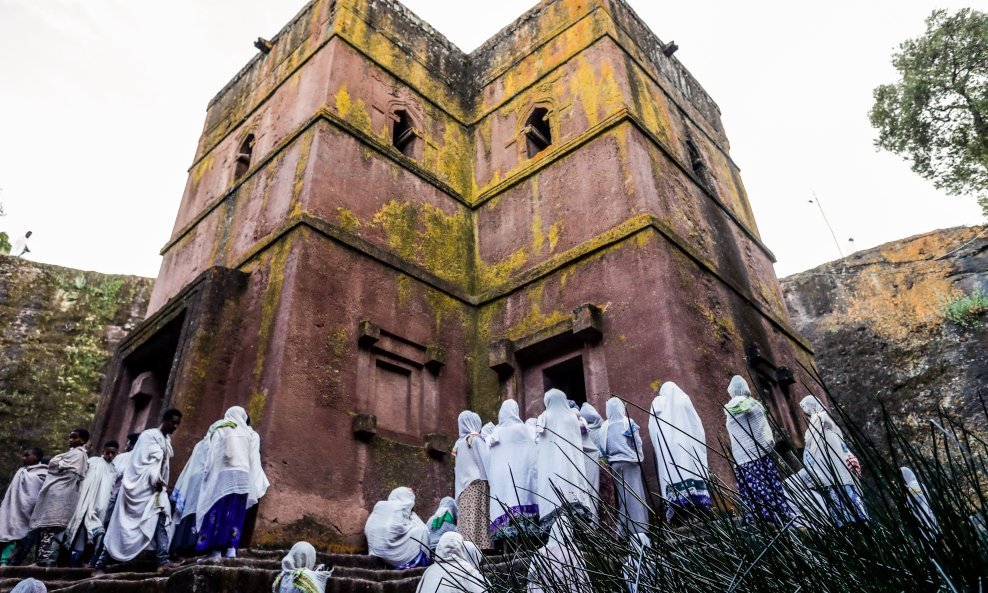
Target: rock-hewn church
379, 230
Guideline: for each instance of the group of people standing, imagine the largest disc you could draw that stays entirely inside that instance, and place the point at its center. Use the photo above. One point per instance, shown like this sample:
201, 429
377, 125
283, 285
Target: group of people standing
118, 505
515, 478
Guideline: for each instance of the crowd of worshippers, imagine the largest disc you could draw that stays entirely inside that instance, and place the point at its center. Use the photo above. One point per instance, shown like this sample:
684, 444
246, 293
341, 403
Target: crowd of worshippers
109, 508
521, 480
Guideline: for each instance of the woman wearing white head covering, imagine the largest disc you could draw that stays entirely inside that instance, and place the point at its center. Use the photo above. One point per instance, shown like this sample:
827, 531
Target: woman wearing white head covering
442, 521
558, 566
919, 504
472, 455
395, 533
299, 573
606, 490
623, 449
805, 502
560, 470
30, 586
185, 499
591, 452
830, 464
455, 569
752, 444
233, 481
680, 446
513, 507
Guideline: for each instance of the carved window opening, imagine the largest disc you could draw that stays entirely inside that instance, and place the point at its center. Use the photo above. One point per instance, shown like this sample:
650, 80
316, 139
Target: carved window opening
147, 374
568, 377
243, 157
696, 161
403, 133
538, 134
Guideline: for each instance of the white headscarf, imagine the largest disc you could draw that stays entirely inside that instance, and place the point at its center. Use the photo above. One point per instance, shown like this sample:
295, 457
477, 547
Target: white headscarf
560, 463
825, 453
512, 475
620, 435
455, 569
30, 586
395, 533
594, 424
470, 451
559, 564
443, 520
233, 463
298, 571
747, 424
919, 503
678, 438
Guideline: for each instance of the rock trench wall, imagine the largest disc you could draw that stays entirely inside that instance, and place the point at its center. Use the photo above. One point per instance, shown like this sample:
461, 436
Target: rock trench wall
58, 328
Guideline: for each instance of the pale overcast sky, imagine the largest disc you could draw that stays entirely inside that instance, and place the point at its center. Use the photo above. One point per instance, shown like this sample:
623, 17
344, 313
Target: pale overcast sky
102, 103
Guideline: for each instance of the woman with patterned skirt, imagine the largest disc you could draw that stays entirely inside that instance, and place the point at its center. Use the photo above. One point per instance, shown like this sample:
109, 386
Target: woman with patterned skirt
831, 465
680, 446
472, 492
513, 508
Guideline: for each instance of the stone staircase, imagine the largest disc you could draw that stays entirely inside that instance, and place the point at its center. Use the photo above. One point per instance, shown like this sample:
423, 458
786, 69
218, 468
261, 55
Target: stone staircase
254, 571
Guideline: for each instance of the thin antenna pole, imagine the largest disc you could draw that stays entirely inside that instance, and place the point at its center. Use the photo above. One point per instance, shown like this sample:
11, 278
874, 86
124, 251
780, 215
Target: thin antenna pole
827, 222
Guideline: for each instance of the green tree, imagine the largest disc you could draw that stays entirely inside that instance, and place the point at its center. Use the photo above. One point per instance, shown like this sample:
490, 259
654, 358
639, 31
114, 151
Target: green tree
936, 115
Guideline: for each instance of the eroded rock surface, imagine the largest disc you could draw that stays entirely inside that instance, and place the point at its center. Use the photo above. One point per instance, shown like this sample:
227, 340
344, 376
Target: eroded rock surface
875, 319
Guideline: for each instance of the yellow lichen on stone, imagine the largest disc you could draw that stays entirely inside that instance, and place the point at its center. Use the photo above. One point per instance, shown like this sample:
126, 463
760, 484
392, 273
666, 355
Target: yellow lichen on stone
655, 385
423, 234
535, 320
554, 231
496, 274
255, 407
343, 102
347, 220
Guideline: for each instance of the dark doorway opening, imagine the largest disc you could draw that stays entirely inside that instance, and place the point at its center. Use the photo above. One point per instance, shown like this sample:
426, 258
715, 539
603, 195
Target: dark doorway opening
567, 376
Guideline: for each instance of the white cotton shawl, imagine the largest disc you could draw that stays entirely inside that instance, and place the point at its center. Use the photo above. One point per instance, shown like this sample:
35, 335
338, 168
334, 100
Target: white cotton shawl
559, 564
395, 533
678, 438
233, 463
94, 499
620, 435
512, 476
825, 453
747, 424
454, 570
560, 466
135, 515
471, 452
18, 502
60, 492
185, 494
299, 565
808, 504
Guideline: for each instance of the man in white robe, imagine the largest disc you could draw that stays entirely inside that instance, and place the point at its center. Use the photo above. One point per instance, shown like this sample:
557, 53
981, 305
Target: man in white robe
142, 512
86, 525
59, 495
18, 502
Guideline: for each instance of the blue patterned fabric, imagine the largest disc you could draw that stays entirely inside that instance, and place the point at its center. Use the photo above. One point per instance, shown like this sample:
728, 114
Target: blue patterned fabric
845, 505
761, 491
223, 524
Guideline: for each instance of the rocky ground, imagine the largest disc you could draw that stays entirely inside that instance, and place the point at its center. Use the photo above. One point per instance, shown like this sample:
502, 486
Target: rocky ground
877, 325
58, 329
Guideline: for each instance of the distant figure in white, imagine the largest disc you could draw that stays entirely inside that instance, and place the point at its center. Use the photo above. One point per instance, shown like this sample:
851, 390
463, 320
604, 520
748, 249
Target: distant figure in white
20, 245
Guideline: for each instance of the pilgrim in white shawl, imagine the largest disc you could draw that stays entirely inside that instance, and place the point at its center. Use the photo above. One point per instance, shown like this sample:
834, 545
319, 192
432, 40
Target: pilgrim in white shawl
591, 455
752, 443
442, 521
233, 481
560, 471
606, 489
830, 464
59, 495
142, 514
532, 425
185, 498
919, 504
472, 456
623, 449
18, 502
395, 533
806, 503
86, 527
513, 507
455, 569
680, 446
299, 573
559, 564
